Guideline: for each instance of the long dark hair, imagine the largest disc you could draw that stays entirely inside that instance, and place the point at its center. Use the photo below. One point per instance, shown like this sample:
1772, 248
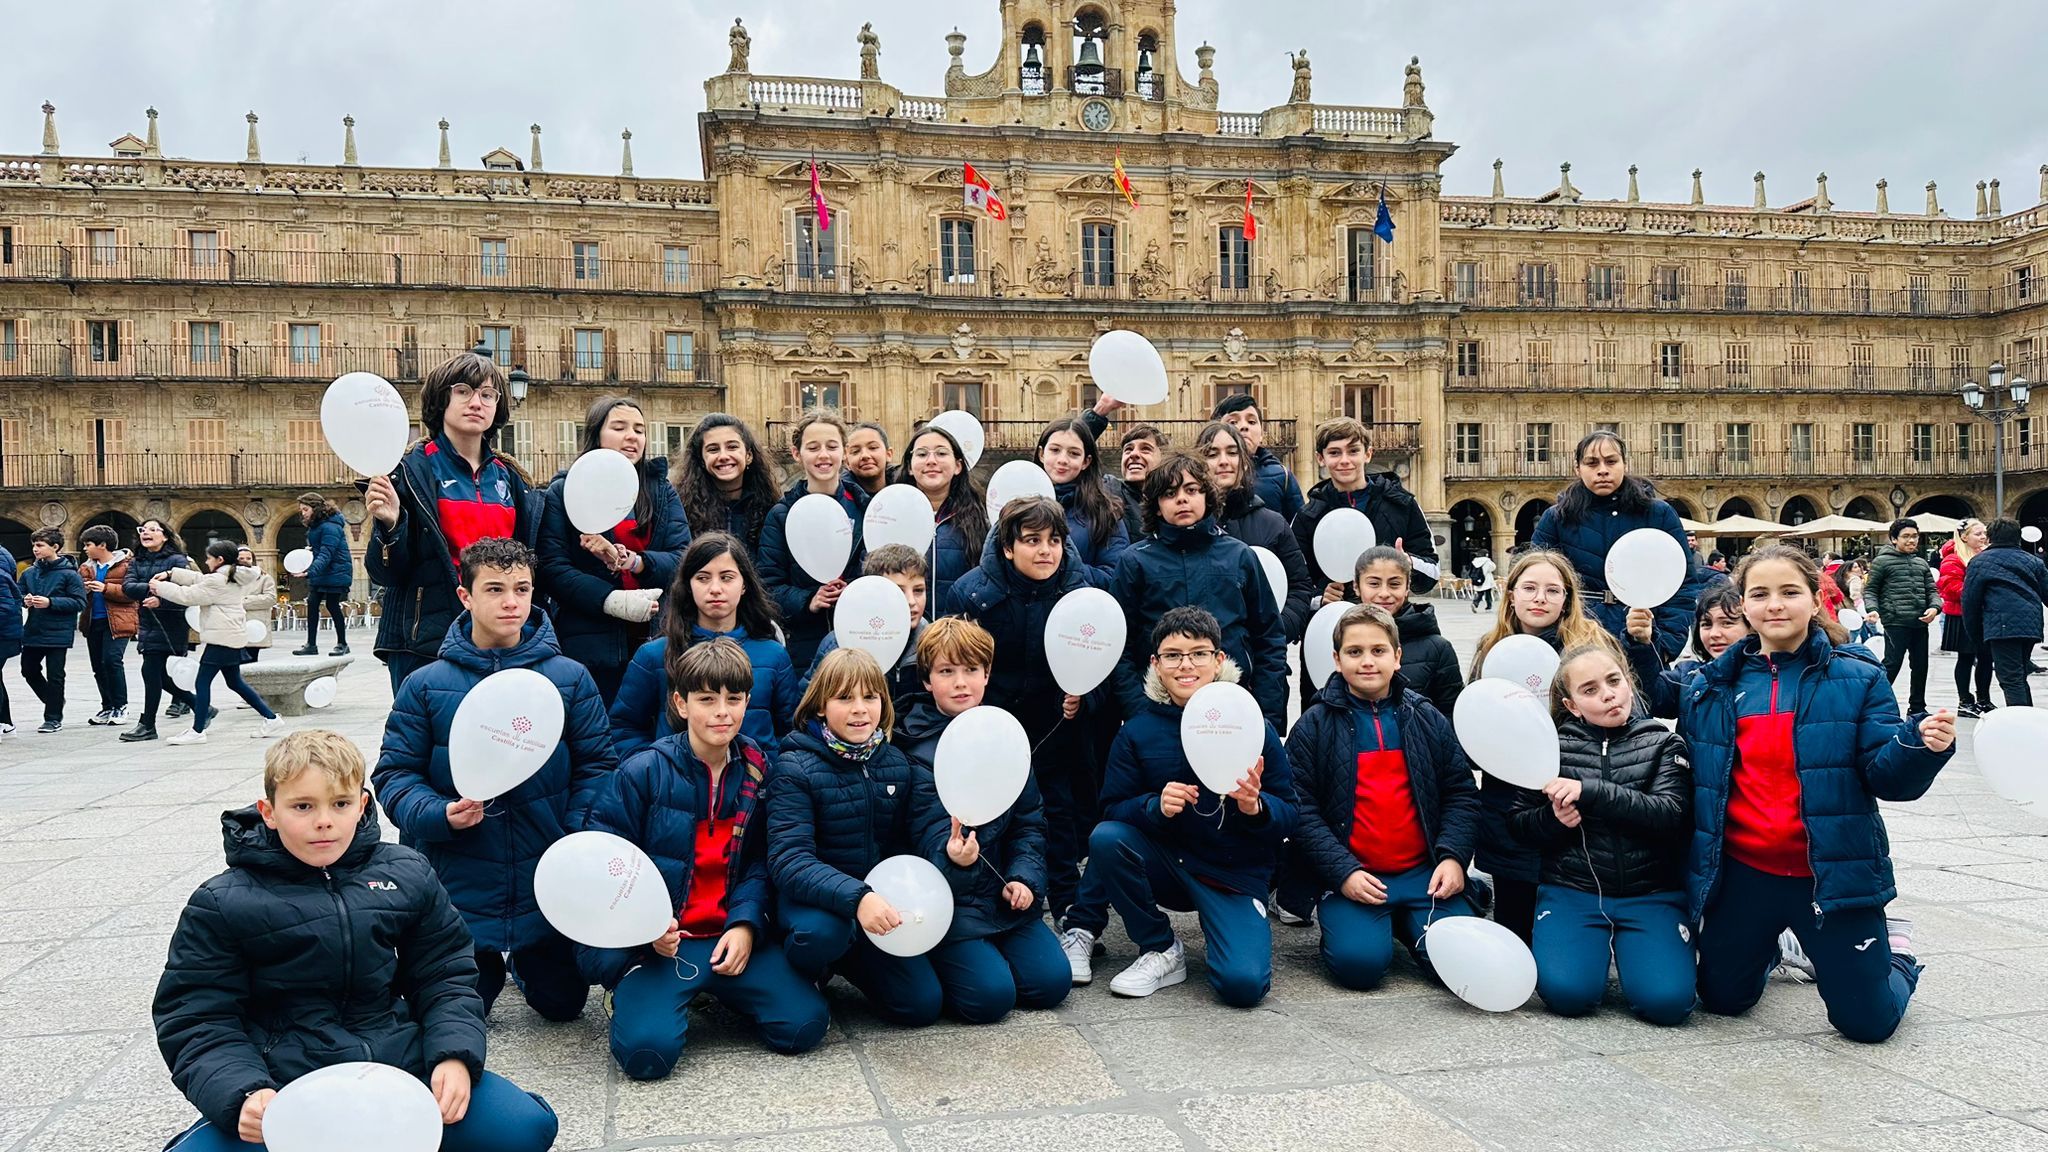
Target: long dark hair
1242, 489
227, 552
703, 503
1098, 508
593, 430
756, 613
1809, 572
320, 506
1635, 495
171, 542
965, 506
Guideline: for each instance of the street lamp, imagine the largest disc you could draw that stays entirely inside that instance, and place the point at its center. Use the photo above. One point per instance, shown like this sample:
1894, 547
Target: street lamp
517, 382
1983, 401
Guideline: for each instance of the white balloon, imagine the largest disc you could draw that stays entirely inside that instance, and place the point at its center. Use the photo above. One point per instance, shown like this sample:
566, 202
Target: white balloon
1084, 638
1645, 568
917, 891
981, 764
602, 890
298, 561
256, 631
1276, 576
365, 422
873, 616
352, 1106
193, 620
183, 671
1222, 733
965, 429
1849, 618
820, 536
899, 514
320, 693
1525, 660
1506, 730
505, 729
1017, 479
601, 488
1319, 643
1485, 964
2031, 534
1341, 536
2007, 745
1126, 367
1876, 645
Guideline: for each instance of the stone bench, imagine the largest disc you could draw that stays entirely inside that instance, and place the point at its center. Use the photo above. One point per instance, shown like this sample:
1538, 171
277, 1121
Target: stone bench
282, 680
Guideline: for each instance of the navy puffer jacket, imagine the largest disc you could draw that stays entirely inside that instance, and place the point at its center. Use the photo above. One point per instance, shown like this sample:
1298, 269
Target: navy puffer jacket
59, 580
1851, 748
332, 570
1012, 845
831, 819
789, 585
1586, 543
1248, 518
578, 582
947, 562
640, 713
1635, 797
157, 629
656, 799
1097, 557
279, 968
1203, 567
10, 607
2002, 600
1323, 751
489, 868
1275, 484
1394, 514
1013, 609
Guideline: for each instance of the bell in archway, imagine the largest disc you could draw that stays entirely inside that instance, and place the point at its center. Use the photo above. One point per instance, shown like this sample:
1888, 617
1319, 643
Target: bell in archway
1032, 59
1091, 55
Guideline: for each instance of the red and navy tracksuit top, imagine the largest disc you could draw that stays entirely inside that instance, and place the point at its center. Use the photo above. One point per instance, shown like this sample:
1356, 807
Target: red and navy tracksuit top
1766, 827
1386, 826
470, 504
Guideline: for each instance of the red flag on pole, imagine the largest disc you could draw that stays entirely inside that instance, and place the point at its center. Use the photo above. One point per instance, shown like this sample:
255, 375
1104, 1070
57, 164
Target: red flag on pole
977, 193
818, 199
1251, 222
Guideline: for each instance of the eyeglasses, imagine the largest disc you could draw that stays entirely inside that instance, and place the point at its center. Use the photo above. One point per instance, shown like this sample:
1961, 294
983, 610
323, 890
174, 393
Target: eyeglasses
1533, 592
463, 394
1197, 659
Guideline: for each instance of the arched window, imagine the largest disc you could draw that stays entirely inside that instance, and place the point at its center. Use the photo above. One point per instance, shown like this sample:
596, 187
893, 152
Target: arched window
1031, 74
1088, 76
1147, 83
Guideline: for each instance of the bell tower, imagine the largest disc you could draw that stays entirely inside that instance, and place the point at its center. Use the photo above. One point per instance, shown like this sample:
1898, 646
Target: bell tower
1085, 65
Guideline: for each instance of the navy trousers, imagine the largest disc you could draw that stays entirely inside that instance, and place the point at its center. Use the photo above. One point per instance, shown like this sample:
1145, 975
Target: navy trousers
545, 973
1021, 968
501, 1118
1358, 939
651, 1006
1864, 986
1651, 945
1142, 878
901, 989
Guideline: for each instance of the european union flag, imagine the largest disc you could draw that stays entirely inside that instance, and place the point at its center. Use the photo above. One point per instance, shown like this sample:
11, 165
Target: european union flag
1383, 224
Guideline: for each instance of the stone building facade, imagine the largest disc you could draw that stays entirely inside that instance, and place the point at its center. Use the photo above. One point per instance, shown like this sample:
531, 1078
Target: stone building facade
166, 325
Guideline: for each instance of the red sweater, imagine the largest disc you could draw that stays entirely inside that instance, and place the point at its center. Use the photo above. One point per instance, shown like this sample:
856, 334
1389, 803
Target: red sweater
1766, 829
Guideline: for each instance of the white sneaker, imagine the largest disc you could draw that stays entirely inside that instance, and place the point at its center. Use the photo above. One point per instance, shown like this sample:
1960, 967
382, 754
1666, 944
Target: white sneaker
1899, 931
1793, 963
1079, 945
268, 728
1151, 972
193, 737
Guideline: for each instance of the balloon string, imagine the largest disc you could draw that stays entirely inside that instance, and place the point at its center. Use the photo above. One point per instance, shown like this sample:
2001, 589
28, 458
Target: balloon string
694, 970
1048, 735
1599, 893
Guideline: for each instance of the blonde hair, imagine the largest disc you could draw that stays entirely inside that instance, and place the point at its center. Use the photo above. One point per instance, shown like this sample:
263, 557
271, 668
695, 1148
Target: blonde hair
1561, 691
843, 673
321, 750
1963, 549
954, 640
1574, 628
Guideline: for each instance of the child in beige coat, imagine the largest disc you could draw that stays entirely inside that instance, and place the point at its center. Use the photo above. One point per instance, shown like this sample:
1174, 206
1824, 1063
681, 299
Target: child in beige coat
220, 595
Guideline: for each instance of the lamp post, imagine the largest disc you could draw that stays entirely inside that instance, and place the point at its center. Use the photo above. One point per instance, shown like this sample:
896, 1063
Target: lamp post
1983, 400
517, 382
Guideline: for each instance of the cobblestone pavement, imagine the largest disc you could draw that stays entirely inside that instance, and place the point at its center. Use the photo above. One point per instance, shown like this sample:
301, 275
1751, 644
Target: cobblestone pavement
101, 842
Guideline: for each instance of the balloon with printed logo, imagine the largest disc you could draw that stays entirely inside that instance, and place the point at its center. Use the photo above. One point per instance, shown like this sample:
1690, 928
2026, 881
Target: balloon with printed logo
1506, 730
1014, 481
1522, 659
820, 536
298, 561
966, 431
1084, 638
918, 892
873, 616
1276, 576
982, 762
2007, 745
899, 514
366, 423
1483, 963
504, 731
601, 488
1319, 642
1646, 568
183, 671
352, 1106
1222, 733
1125, 366
1341, 536
320, 693
602, 890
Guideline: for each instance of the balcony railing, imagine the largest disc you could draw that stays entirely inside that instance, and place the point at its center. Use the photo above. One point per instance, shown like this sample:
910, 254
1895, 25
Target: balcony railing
1095, 81
1583, 376
1623, 296
979, 283
60, 262
260, 362
1722, 463
175, 470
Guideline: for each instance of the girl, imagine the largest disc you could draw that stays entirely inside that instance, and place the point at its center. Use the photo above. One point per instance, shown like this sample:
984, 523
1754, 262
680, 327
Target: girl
606, 587
839, 802
1971, 538
1793, 744
1245, 516
715, 595
1612, 829
1717, 622
1541, 599
329, 579
1096, 532
938, 468
867, 456
805, 605
725, 482
162, 632
1429, 664
223, 627
259, 601
1601, 506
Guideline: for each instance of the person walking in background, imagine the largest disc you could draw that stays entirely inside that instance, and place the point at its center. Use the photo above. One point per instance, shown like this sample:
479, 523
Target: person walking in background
1956, 555
108, 621
259, 603
1901, 588
1482, 583
54, 597
161, 632
330, 576
10, 633
220, 596
2004, 590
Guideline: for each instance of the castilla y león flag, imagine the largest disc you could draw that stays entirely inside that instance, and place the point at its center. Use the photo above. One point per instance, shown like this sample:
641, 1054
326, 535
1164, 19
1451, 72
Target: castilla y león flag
978, 194
818, 199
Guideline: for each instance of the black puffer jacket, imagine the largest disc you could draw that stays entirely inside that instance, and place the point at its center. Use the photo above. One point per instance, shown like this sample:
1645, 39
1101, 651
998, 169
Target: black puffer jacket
1012, 845
1394, 514
1013, 608
1246, 516
160, 629
278, 968
831, 819
1636, 803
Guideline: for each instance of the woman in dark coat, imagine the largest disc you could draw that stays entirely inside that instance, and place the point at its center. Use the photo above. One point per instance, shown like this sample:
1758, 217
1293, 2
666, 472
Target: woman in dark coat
331, 575
161, 632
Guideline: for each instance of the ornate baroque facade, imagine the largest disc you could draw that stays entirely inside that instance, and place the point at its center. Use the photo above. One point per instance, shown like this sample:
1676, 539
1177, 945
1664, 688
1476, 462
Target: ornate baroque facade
166, 325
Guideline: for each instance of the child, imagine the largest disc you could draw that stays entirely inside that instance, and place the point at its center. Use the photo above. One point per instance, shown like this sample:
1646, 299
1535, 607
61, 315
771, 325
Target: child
109, 621
867, 456
716, 594
220, 596
321, 943
1246, 514
937, 468
1717, 622
819, 445
1095, 512
487, 857
160, 626
1166, 843
839, 803
689, 800
1344, 448
1388, 808
1429, 665
1793, 745
904, 568
1612, 829
999, 953
54, 596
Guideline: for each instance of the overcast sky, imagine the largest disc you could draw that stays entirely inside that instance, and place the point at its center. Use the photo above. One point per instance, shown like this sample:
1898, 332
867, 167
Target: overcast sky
1911, 91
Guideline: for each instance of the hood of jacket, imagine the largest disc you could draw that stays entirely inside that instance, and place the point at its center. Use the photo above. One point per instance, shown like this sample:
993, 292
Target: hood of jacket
58, 563
1416, 622
250, 843
1378, 486
918, 719
1155, 688
536, 643
1190, 537
1242, 501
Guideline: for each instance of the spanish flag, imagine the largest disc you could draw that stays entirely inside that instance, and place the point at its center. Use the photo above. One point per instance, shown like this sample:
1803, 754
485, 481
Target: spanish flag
1123, 181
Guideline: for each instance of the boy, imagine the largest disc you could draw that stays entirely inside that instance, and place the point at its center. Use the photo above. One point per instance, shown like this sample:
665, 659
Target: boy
954, 656
1165, 843
1270, 478
1388, 807
109, 622
689, 799
320, 943
1344, 448
903, 567
54, 596
1901, 587
488, 861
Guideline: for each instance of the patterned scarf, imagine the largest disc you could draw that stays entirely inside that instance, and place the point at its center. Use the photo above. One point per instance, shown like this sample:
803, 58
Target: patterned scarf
756, 766
858, 753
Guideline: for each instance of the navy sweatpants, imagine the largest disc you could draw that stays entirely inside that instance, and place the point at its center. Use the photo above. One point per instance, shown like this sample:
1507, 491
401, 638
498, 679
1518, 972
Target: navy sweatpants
1141, 878
651, 1006
1021, 968
901, 989
1864, 986
1358, 939
501, 1118
1651, 945
545, 973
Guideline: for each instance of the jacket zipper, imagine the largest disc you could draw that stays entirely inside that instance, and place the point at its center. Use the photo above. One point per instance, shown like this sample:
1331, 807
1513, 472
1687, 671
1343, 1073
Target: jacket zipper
1805, 696
1620, 864
348, 950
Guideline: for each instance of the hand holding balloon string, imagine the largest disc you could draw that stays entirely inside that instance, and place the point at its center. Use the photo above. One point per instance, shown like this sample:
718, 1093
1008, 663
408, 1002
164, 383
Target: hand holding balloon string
827, 595
876, 915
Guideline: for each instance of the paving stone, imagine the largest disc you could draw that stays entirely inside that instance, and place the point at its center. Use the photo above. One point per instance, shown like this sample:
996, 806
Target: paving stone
1985, 1134
1989, 984
115, 1126
1573, 1106
1942, 886
1191, 1054
46, 1069
1383, 1034
757, 1092
1338, 1119
1784, 1089
1093, 1131
16, 1123
986, 1069
1952, 1057
89, 958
